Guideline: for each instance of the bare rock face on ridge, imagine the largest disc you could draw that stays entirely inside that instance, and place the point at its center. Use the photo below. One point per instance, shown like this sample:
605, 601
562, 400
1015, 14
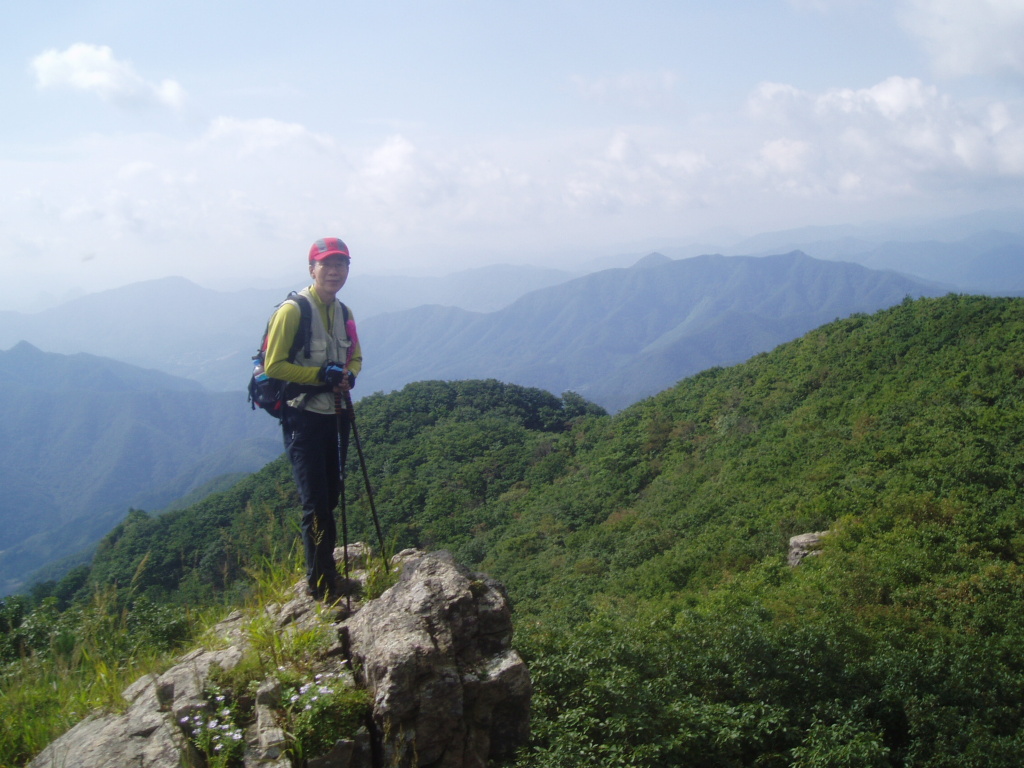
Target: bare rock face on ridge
805, 545
434, 653
435, 650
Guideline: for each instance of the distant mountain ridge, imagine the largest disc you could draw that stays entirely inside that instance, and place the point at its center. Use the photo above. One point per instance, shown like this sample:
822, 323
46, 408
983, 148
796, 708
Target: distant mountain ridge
176, 326
614, 336
25, 364
84, 438
988, 260
620, 335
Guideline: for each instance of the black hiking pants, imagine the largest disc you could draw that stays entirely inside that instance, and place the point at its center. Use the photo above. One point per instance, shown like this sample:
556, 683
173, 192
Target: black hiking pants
311, 441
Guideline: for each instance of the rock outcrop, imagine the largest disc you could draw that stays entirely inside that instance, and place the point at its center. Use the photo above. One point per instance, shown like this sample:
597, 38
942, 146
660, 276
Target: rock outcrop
434, 653
805, 545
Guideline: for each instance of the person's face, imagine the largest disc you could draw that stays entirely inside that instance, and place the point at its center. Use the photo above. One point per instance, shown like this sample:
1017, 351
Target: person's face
329, 275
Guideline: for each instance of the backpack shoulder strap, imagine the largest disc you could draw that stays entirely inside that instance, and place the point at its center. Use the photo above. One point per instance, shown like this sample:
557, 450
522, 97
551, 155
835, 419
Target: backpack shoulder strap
304, 335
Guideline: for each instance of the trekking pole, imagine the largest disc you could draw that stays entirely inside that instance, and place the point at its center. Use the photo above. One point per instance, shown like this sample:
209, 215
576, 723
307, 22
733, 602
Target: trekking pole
341, 497
366, 479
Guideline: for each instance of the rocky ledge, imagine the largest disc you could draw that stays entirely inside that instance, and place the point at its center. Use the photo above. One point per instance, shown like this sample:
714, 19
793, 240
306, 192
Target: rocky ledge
433, 654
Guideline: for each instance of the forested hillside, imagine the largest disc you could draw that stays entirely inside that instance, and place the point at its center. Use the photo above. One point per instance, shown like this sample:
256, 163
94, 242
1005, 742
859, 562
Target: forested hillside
450, 447
646, 552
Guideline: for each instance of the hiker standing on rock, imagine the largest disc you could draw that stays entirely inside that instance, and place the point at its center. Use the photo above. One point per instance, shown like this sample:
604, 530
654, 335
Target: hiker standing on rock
316, 421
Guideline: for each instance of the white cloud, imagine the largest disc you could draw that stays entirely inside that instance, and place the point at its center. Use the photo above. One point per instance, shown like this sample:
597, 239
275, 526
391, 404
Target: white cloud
785, 155
227, 204
892, 99
636, 178
94, 69
393, 159
637, 89
262, 135
891, 135
969, 37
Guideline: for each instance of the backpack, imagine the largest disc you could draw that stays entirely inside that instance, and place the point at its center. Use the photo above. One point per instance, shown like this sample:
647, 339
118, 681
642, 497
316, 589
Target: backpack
266, 393
269, 394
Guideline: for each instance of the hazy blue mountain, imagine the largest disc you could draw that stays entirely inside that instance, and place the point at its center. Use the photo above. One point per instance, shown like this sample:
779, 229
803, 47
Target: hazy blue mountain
868, 235
209, 336
85, 438
620, 335
675, 316
956, 253
484, 289
169, 324
987, 262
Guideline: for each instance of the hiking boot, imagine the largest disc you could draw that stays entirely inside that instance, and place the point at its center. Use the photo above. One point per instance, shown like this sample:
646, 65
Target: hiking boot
336, 589
313, 593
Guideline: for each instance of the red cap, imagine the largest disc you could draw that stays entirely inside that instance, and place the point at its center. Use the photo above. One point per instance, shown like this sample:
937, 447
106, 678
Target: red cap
327, 246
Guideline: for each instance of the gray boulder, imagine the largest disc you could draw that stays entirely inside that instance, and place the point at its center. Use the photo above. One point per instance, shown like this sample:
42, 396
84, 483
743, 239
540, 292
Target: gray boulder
147, 734
435, 653
805, 545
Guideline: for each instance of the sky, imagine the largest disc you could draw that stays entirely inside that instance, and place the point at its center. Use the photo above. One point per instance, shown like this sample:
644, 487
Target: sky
217, 139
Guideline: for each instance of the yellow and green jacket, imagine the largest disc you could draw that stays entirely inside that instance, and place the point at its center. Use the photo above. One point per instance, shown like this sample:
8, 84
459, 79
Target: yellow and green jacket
331, 338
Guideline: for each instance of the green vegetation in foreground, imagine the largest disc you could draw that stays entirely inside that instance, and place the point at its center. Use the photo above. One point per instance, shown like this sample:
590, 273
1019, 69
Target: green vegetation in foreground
645, 552
80, 660
57, 665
